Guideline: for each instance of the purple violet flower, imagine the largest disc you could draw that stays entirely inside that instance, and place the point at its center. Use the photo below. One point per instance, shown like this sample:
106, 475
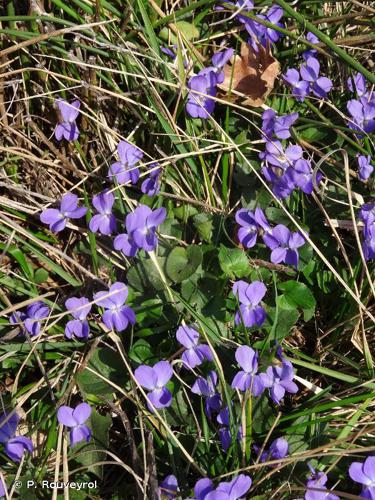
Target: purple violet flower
365, 168
276, 156
233, 490
279, 449
30, 321
104, 222
117, 316
241, 6
278, 126
67, 127
318, 481
362, 114
288, 243
198, 105
168, 488
247, 378
265, 229
202, 488
248, 232
262, 34
302, 175
195, 353
75, 419
151, 185
3, 489
279, 379
320, 85
368, 244
124, 170
141, 228
14, 446
359, 84
249, 297
78, 327
219, 60
299, 87
310, 37
364, 474
206, 388
154, 379
58, 218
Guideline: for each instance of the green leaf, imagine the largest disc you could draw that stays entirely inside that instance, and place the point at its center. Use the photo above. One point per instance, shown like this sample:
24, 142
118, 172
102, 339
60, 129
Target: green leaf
144, 277
188, 30
203, 223
181, 263
233, 262
142, 352
298, 295
40, 276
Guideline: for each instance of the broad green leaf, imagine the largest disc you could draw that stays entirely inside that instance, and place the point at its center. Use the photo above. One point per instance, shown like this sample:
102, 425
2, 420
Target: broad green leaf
181, 263
233, 262
297, 294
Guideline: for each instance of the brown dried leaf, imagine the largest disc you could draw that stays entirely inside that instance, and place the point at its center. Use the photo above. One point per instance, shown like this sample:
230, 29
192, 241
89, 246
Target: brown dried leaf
252, 74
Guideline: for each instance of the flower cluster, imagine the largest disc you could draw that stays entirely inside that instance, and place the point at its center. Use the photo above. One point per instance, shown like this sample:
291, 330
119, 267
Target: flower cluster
14, 446
30, 321
194, 353
75, 419
367, 216
283, 242
78, 327
362, 109
125, 171
203, 86
307, 80
154, 379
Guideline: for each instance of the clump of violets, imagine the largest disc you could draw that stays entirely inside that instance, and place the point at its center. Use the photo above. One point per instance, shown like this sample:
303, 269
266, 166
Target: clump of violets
365, 168
124, 170
252, 225
151, 185
364, 474
168, 488
67, 127
249, 297
57, 218
14, 446
317, 481
278, 449
154, 379
288, 243
274, 126
203, 86
78, 327
141, 228
104, 222
206, 387
30, 321
367, 216
264, 34
75, 419
117, 315
362, 109
307, 80
247, 378
194, 353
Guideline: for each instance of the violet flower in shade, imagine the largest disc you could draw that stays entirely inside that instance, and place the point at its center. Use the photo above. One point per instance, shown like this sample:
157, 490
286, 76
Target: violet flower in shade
58, 218
202, 488
224, 432
262, 34
364, 474
75, 419
168, 488
233, 490
67, 127
219, 60
248, 231
30, 321
169, 52
282, 184
279, 380
302, 175
195, 353
318, 481
362, 114
310, 37
206, 388
320, 85
366, 210
104, 221
279, 449
14, 446
368, 244
151, 185
78, 327
299, 87
247, 378
249, 297
117, 315
359, 84
198, 105
154, 379
365, 168
288, 244
124, 171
